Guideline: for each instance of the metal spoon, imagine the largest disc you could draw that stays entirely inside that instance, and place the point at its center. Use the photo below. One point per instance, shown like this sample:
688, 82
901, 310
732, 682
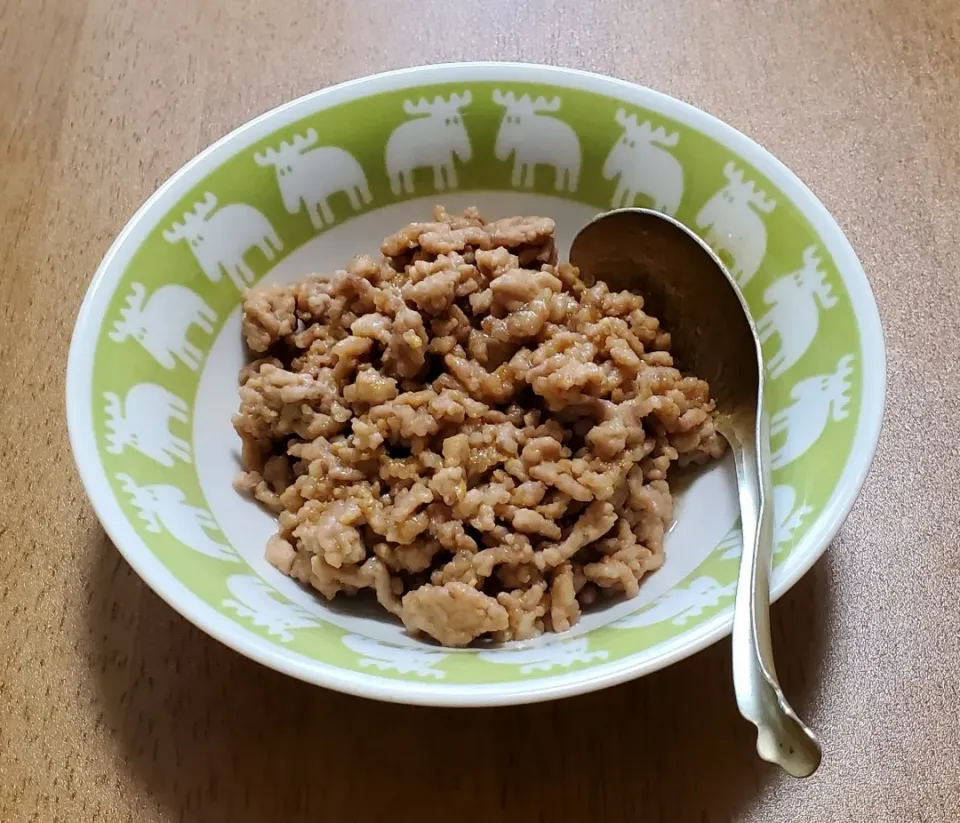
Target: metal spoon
687, 287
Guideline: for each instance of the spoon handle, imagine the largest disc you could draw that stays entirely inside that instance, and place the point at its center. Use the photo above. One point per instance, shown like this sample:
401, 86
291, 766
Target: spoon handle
781, 736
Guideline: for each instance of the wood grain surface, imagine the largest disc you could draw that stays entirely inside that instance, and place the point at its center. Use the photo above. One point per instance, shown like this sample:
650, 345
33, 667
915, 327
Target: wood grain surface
112, 708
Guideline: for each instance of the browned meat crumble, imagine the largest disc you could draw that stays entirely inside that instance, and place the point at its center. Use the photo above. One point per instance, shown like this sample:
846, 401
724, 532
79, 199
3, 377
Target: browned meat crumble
466, 427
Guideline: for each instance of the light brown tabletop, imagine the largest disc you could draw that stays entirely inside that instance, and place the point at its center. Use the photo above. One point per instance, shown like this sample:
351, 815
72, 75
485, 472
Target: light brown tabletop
114, 708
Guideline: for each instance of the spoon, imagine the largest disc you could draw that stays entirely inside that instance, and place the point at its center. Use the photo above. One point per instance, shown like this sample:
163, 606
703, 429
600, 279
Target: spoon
687, 287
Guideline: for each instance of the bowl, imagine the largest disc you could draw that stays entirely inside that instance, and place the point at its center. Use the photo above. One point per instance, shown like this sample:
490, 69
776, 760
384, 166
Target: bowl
152, 375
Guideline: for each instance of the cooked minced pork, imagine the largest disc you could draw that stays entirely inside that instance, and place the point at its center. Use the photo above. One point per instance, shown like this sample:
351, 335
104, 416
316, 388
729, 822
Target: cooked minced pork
466, 427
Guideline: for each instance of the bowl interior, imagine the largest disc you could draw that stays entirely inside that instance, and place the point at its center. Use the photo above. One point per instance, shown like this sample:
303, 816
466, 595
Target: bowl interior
154, 362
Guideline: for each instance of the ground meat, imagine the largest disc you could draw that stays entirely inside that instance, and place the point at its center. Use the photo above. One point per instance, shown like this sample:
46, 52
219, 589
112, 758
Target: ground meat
453, 613
467, 429
564, 609
526, 607
269, 314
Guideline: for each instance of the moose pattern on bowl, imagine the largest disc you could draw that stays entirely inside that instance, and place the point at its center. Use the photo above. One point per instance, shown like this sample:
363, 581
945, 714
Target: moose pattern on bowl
643, 159
221, 237
795, 301
816, 401
534, 137
559, 654
789, 516
733, 223
161, 323
400, 659
308, 175
431, 141
165, 508
252, 598
640, 163
142, 421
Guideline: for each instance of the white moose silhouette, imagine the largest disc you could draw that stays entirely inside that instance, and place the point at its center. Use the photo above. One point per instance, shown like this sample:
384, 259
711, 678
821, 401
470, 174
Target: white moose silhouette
680, 604
789, 516
816, 399
430, 141
220, 239
310, 177
733, 227
401, 659
142, 420
644, 166
165, 507
256, 601
534, 138
731, 544
160, 323
794, 315
563, 654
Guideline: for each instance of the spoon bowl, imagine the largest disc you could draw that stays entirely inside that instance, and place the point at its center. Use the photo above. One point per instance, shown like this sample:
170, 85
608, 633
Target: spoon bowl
713, 336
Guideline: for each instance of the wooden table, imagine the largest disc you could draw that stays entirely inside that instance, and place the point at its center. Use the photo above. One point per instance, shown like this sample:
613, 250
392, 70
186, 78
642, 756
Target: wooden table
113, 708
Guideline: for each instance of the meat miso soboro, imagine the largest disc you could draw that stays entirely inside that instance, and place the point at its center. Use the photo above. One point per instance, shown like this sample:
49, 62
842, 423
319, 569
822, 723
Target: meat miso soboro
466, 427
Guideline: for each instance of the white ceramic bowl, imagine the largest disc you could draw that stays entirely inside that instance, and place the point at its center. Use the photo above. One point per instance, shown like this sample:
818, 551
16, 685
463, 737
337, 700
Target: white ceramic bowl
151, 383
